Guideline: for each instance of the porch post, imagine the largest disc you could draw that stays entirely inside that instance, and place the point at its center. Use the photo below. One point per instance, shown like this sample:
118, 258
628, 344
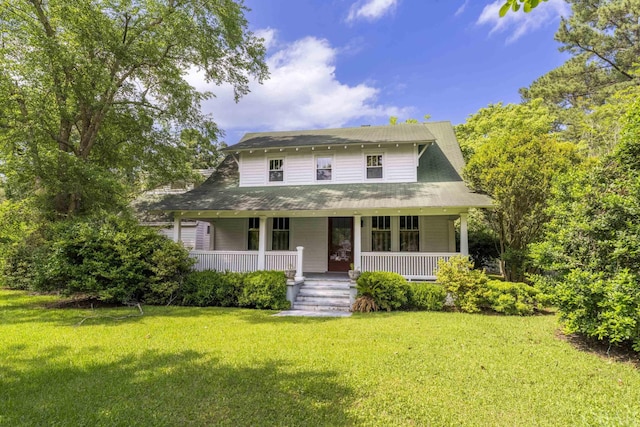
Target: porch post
299, 277
177, 227
357, 242
262, 242
464, 235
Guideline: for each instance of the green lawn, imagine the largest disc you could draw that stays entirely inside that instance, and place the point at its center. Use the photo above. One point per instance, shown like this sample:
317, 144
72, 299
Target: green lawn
194, 366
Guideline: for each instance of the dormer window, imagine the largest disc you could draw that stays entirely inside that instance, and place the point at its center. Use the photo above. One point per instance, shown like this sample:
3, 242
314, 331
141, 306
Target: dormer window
323, 168
374, 166
276, 170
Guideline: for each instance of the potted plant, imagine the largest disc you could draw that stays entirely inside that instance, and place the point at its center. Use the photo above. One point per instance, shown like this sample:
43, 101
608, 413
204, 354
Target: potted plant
353, 273
290, 272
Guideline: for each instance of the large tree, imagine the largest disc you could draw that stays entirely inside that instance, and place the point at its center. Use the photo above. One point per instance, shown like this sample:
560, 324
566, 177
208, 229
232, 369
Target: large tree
94, 94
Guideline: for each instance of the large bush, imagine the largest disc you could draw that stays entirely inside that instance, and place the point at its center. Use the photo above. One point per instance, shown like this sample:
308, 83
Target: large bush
472, 291
265, 290
111, 257
212, 288
387, 290
426, 296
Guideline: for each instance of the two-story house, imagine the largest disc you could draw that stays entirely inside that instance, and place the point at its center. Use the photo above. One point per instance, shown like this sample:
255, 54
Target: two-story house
373, 197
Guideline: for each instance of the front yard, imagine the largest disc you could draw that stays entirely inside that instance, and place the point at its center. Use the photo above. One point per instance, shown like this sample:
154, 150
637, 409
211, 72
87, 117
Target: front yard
213, 366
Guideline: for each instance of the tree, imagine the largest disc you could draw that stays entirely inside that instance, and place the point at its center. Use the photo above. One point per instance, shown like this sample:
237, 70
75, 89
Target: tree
393, 120
95, 94
592, 245
514, 5
514, 161
602, 36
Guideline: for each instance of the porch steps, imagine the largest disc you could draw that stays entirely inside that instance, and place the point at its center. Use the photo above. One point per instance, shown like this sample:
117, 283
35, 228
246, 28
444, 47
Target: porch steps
323, 295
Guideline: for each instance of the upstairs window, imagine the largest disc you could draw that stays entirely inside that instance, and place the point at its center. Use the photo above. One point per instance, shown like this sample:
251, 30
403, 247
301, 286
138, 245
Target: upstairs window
280, 234
381, 234
323, 168
254, 234
409, 234
276, 170
374, 166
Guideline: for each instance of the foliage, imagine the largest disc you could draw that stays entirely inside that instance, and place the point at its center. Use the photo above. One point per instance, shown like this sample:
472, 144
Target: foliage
388, 290
426, 296
511, 298
516, 166
591, 243
365, 304
265, 290
17, 220
465, 283
111, 258
484, 244
95, 98
212, 288
606, 307
514, 5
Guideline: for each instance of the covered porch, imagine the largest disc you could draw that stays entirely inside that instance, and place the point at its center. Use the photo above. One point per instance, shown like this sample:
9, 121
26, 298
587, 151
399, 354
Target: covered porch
312, 244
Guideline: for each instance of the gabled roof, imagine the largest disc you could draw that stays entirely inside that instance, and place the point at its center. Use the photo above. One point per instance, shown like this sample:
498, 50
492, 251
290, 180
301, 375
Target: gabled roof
404, 133
440, 185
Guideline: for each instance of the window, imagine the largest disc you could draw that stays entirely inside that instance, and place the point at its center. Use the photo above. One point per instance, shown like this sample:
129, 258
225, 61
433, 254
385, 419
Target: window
323, 168
254, 234
409, 234
280, 234
381, 234
374, 166
276, 170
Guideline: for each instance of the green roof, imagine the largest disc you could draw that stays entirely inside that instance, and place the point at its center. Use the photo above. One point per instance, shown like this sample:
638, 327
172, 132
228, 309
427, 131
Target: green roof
440, 185
405, 133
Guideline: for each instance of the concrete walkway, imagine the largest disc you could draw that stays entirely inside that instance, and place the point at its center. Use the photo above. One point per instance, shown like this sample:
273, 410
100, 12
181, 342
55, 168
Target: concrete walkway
311, 313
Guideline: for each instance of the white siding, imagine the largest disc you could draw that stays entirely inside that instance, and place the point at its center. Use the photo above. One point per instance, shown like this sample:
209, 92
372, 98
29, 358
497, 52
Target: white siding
253, 169
312, 234
231, 234
400, 164
434, 234
348, 165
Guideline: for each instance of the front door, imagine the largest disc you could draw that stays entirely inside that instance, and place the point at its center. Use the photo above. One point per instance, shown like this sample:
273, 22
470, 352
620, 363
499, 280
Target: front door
340, 243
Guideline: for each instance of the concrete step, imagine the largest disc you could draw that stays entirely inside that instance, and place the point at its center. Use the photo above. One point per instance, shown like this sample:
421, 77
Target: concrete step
319, 307
324, 292
326, 285
323, 300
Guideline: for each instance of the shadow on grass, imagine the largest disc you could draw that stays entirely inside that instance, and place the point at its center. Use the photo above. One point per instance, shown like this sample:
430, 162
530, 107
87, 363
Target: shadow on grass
622, 354
154, 388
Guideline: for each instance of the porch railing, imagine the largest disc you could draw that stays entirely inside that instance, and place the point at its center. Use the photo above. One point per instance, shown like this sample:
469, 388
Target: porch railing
412, 265
242, 261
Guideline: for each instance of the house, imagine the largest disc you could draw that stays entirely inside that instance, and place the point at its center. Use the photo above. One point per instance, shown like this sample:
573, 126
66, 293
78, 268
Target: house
373, 197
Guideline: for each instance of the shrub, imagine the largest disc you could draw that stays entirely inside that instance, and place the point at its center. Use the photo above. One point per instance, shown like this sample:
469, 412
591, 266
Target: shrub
388, 290
365, 304
601, 307
265, 290
426, 296
510, 297
465, 284
212, 288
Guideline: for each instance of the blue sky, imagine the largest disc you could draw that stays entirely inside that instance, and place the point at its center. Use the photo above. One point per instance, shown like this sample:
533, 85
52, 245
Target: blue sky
338, 63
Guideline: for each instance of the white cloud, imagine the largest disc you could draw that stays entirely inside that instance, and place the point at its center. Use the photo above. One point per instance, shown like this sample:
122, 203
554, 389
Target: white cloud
462, 8
301, 93
370, 10
517, 24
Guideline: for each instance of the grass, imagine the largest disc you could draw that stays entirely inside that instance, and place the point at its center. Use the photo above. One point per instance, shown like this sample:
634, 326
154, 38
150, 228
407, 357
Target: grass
208, 366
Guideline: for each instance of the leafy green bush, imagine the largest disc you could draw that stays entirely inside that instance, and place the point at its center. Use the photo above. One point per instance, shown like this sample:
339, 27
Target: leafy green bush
265, 290
510, 298
212, 288
465, 284
426, 296
388, 290
601, 307
109, 257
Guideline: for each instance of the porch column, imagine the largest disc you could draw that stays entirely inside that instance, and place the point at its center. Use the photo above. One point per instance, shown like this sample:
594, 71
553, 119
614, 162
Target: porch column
464, 235
177, 227
262, 242
299, 277
357, 242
